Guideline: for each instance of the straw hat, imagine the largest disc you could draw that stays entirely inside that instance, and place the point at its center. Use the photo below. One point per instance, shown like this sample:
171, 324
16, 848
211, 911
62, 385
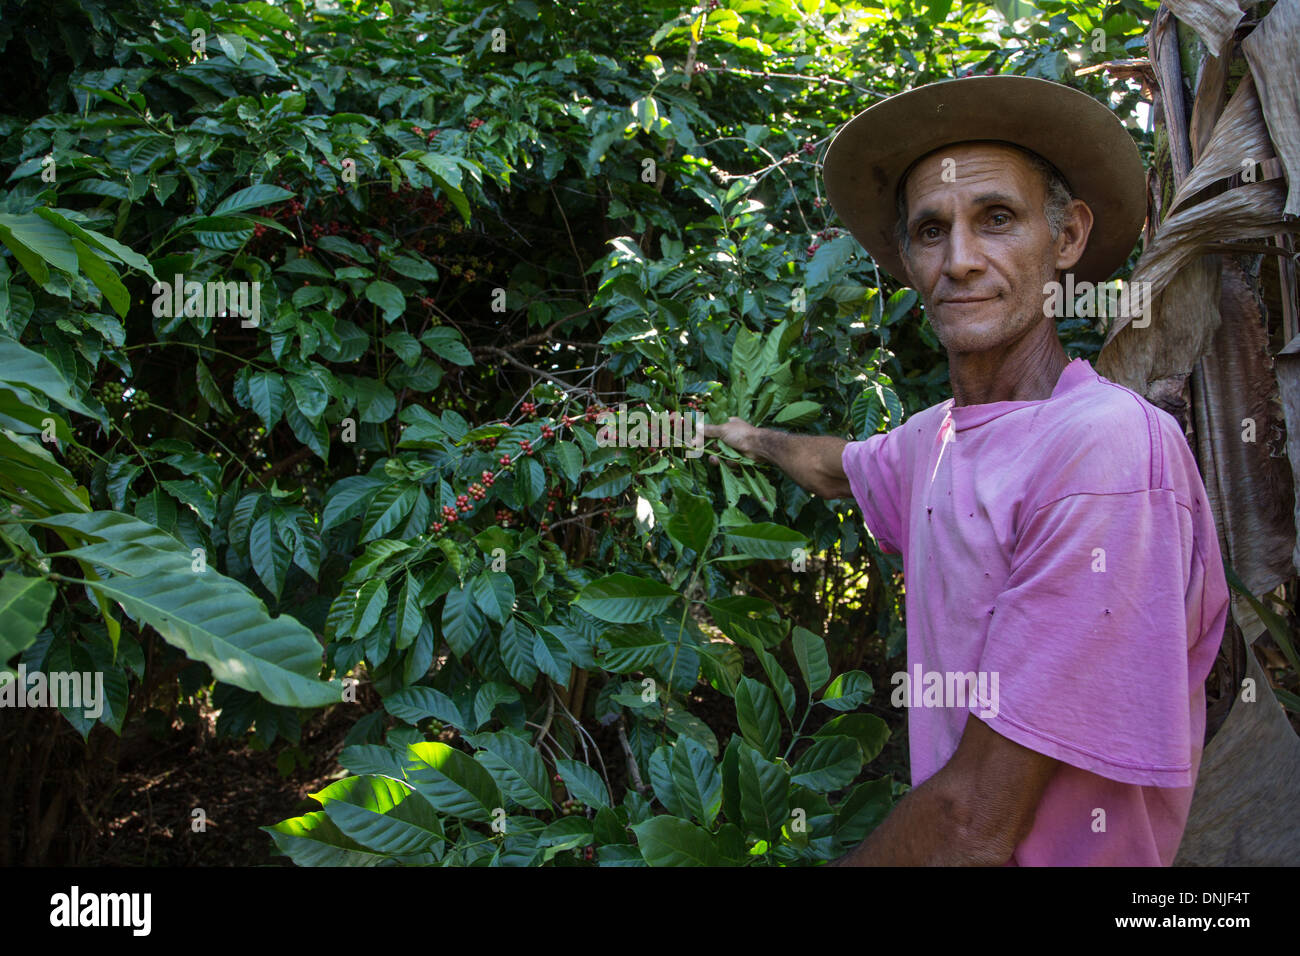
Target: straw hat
1075, 133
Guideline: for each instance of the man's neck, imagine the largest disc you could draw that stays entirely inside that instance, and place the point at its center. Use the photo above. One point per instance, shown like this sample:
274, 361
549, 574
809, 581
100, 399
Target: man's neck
1025, 371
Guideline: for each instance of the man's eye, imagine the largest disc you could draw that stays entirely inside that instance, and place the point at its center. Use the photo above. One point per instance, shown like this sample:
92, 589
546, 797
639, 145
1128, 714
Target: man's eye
930, 232
1000, 219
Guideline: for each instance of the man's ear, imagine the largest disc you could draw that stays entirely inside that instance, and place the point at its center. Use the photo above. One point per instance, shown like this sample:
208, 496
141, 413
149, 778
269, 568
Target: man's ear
1074, 234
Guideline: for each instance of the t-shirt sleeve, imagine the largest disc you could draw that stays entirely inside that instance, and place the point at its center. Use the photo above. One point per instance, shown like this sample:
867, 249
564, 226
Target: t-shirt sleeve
1086, 659
872, 467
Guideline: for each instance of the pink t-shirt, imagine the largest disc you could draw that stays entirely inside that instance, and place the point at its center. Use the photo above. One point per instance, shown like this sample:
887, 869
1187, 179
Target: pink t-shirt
1064, 552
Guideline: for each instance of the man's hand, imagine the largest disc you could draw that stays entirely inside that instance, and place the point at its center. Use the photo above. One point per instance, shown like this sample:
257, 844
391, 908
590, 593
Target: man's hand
739, 434
813, 462
973, 812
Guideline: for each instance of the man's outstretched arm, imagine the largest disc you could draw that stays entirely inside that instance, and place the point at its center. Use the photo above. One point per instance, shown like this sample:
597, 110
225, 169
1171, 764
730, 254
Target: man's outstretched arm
813, 462
973, 812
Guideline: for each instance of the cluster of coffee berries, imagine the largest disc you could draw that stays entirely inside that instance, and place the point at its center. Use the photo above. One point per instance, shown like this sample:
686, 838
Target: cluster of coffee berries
475, 123
77, 458
526, 446
529, 409
572, 807
317, 230
589, 853
488, 478
449, 513
548, 431
462, 502
476, 491
504, 517
505, 461
110, 393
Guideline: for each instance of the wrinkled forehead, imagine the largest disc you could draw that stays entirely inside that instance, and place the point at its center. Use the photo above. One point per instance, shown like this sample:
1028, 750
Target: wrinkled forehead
948, 160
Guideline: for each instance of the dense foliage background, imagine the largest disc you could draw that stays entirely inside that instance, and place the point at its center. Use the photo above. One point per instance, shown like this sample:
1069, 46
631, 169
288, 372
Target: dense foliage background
475, 227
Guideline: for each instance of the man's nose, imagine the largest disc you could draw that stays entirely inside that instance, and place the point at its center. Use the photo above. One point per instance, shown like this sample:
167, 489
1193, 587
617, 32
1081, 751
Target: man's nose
965, 254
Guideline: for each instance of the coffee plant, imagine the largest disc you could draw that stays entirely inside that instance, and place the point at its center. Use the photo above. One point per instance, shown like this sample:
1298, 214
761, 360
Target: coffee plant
478, 234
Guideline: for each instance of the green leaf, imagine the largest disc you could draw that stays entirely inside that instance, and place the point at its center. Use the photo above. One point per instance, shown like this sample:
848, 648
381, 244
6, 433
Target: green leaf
865, 808
104, 276
347, 499
668, 841
269, 554
757, 717
21, 366
489, 695
552, 657
848, 691
830, 763
731, 780
410, 615
209, 389
462, 621
388, 509
372, 597
414, 704
453, 781
692, 522
311, 391
530, 480
266, 393
780, 682
696, 780
584, 783
383, 814
315, 840
516, 649
375, 401
217, 621
569, 457
764, 794
447, 347
661, 780
766, 540
388, 297
868, 730
516, 767
252, 197
624, 599
24, 604
34, 242
494, 592
95, 240
810, 654
798, 414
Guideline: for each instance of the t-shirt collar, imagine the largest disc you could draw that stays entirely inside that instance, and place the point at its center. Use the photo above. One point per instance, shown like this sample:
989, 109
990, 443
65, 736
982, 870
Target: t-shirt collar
1079, 372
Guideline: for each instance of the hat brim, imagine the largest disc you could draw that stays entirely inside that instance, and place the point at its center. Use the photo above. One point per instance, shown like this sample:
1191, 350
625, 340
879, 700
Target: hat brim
1075, 133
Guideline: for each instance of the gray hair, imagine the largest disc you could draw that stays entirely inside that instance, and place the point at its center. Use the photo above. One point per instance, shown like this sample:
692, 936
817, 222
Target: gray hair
1055, 208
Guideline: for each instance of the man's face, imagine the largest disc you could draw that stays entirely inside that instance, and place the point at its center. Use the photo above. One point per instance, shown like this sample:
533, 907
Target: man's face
981, 248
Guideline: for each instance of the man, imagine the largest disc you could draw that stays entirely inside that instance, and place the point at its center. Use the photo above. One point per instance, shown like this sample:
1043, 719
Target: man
1055, 533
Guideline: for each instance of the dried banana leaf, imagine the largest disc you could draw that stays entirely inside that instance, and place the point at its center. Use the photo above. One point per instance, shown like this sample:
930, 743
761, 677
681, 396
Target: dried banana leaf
1247, 795
1239, 448
1273, 51
1213, 20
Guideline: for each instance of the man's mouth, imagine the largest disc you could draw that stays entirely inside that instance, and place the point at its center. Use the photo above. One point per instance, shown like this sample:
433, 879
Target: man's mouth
964, 299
